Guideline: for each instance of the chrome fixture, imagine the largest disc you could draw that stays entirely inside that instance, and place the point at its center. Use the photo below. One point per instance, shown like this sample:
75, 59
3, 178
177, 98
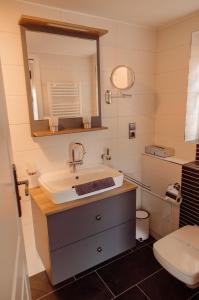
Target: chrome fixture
122, 78
26, 183
109, 96
141, 184
106, 155
75, 150
31, 173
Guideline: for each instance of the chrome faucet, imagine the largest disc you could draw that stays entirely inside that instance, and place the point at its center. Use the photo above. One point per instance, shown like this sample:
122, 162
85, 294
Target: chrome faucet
74, 149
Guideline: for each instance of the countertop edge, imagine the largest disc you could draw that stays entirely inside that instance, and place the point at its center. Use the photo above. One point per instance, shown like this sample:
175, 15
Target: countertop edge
48, 208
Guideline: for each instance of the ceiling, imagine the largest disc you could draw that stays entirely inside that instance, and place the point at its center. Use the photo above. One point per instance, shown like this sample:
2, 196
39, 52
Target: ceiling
145, 12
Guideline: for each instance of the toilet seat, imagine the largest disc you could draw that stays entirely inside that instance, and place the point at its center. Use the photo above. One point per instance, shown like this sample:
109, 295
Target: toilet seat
178, 253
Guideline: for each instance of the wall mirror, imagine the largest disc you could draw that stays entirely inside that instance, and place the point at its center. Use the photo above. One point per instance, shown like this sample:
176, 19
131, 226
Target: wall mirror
122, 77
62, 74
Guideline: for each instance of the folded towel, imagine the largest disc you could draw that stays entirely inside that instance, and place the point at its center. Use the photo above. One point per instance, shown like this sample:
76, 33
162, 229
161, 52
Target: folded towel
86, 188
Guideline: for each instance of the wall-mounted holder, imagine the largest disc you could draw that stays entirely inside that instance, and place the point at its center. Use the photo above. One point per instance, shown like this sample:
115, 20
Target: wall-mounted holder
109, 96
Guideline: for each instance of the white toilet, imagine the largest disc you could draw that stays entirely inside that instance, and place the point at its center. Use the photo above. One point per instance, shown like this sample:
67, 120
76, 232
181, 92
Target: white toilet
178, 253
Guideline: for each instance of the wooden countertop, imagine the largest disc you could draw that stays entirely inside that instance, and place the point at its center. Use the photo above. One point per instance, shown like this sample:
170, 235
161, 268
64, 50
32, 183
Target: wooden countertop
48, 207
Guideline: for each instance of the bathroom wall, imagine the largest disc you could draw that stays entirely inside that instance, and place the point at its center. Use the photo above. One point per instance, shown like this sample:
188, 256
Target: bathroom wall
173, 53
124, 44
171, 80
164, 217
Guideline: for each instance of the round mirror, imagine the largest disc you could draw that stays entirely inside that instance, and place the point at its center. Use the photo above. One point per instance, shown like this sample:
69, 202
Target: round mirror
122, 77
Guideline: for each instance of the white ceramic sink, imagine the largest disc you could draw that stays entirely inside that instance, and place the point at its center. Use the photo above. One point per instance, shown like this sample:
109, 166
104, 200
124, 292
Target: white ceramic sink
59, 185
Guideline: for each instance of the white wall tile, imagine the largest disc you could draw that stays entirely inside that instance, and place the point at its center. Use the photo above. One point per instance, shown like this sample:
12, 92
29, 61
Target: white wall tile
172, 81
130, 37
14, 80
172, 125
177, 34
182, 150
171, 103
161, 221
11, 49
21, 138
10, 13
171, 85
144, 83
42, 11
109, 110
173, 59
17, 109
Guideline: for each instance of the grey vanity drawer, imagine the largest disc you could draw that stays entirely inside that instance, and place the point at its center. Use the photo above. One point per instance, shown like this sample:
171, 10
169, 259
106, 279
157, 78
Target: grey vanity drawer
79, 256
75, 224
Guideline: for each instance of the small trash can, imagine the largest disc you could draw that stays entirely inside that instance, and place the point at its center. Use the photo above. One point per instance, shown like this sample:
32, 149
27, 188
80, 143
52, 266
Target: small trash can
142, 225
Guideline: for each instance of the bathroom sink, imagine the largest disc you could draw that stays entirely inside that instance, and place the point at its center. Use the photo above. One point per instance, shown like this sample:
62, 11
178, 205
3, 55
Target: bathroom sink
60, 186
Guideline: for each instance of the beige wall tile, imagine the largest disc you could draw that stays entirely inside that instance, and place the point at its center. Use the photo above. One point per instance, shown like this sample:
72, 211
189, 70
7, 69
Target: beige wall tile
17, 109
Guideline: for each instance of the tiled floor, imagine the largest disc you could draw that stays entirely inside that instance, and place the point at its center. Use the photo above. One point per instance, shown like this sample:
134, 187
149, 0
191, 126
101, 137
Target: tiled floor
133, 275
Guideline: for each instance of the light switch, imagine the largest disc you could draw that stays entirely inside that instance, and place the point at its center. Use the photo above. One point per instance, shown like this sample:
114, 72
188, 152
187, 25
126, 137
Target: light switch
132, 130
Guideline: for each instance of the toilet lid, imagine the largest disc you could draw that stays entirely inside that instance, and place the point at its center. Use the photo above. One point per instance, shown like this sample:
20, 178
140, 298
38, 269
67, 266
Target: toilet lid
178, 252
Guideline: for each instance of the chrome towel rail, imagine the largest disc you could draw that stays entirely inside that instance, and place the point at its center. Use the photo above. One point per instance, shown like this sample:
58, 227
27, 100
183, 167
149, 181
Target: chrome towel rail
141, 184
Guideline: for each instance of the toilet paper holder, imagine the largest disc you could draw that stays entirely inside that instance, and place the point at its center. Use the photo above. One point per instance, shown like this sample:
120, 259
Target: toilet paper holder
173, 194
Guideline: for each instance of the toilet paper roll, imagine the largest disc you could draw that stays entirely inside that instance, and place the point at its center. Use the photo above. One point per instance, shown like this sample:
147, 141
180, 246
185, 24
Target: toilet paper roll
175, 202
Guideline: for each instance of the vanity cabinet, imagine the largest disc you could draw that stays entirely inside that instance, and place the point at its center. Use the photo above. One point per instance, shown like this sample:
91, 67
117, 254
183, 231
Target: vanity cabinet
74, 236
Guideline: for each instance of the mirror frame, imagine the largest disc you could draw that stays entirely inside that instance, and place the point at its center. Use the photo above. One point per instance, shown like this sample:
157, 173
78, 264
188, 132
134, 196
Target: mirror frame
133, 76
28, 23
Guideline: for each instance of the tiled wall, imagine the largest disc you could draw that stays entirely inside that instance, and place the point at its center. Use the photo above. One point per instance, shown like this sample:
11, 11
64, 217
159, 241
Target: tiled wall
173, 51
197, 152
189, 211
163, 218
124, 44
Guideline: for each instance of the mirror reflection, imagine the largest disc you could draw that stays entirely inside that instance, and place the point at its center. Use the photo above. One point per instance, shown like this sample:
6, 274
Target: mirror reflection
122, 77
63, 76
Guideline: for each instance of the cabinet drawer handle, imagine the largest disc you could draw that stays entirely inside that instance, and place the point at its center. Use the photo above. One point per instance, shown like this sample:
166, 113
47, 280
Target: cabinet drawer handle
99, 249
98, 217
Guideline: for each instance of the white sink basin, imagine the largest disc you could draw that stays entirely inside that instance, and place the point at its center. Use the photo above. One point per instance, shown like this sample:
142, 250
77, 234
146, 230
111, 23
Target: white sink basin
59, 185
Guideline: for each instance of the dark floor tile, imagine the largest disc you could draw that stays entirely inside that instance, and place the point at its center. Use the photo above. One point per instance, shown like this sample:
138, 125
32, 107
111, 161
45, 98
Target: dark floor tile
40, 285
164, 286
103, 264
195, 297
129, 270
134, 294
89, 287
150, 241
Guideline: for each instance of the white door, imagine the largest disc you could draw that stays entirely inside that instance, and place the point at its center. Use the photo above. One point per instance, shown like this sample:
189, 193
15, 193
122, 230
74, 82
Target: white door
14, 283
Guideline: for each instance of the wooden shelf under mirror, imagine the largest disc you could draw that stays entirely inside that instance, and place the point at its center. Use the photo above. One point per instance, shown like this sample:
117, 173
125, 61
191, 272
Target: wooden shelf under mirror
66, 131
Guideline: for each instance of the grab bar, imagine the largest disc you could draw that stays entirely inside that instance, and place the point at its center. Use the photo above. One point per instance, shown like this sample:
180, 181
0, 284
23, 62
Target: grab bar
141, 184
154, 194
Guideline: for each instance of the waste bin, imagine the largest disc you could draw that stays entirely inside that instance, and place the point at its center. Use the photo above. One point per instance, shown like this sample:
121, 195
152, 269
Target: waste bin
142, 225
